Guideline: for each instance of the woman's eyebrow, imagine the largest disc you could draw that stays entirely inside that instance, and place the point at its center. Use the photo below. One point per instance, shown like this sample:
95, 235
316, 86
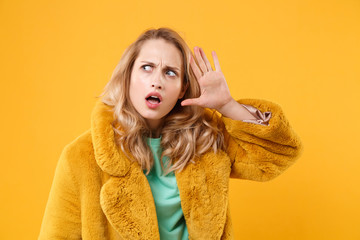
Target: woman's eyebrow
170, 67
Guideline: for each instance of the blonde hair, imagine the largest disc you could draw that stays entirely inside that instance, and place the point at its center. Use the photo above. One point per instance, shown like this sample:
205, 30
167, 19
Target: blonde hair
187, 132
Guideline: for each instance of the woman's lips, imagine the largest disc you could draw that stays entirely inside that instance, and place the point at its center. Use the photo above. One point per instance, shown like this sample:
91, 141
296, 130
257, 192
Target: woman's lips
152, 104
153, 100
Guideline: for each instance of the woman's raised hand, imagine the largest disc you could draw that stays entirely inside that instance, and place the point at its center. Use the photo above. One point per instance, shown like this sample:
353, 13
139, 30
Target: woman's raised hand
214, 89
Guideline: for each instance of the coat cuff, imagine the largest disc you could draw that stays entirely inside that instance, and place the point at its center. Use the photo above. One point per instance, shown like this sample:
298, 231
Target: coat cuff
261, 118
278, 129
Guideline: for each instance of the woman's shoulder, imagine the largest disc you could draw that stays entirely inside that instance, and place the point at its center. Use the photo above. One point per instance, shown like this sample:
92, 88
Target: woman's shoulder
81, 143
80, 151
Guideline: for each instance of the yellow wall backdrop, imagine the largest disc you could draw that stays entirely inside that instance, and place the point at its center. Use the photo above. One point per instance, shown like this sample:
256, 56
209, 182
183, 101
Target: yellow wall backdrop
304, 55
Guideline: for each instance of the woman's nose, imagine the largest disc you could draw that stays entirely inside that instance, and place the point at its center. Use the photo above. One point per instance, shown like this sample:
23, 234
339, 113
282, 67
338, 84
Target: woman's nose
156, 85
157, 82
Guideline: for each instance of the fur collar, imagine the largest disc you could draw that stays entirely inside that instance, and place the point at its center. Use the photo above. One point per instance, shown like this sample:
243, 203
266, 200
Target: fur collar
108, 156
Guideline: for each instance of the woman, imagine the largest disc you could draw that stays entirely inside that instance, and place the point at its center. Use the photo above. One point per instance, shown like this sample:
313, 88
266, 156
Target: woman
164, 140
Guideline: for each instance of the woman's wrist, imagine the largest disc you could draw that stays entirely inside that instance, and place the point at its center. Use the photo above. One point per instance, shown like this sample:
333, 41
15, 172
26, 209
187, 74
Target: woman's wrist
235, 111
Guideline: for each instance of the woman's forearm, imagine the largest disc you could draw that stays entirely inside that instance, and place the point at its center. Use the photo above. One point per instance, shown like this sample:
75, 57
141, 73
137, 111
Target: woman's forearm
235, 111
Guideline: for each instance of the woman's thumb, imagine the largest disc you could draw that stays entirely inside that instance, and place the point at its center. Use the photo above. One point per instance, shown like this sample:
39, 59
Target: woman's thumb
190, 101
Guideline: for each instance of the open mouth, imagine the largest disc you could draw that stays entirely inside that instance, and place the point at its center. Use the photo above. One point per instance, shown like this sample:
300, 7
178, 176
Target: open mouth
153, 99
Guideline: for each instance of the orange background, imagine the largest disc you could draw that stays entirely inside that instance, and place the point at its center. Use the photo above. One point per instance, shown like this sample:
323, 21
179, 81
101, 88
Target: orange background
304, 55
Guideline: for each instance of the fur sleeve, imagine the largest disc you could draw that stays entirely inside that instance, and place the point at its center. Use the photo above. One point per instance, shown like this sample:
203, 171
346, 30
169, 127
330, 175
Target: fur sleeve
259, 152
62, 218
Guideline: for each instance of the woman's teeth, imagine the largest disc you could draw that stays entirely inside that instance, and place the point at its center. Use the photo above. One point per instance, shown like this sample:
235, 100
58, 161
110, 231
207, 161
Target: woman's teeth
153, 99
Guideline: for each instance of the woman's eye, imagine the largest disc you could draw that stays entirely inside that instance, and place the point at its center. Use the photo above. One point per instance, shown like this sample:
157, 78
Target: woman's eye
146, 67
171, 73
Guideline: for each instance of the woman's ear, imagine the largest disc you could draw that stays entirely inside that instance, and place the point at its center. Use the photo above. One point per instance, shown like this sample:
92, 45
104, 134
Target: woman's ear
183, 90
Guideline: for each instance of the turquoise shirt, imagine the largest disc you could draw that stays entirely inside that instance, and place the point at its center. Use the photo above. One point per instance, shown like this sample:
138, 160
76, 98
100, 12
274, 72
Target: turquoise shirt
165, 192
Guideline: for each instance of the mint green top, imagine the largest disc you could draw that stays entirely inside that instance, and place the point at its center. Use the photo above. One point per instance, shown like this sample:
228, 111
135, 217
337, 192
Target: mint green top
165, 192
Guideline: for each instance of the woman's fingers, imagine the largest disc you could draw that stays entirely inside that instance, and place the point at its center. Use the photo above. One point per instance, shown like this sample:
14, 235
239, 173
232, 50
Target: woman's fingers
195, 68
216, 61
213, 85
203, 64
207, 63
200, 60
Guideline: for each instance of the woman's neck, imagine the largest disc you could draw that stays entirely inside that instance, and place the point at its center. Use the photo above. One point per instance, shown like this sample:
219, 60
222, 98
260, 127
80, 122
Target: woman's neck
155, 127
156, 133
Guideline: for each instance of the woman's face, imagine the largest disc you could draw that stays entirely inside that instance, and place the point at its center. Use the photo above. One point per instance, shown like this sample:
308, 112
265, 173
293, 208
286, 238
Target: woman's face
156, 81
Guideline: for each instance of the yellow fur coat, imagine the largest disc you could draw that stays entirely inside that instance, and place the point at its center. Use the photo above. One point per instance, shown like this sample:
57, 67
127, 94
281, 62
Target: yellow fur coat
97, 193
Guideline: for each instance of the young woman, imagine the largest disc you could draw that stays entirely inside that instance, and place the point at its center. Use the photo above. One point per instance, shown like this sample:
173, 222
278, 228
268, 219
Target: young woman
165, 138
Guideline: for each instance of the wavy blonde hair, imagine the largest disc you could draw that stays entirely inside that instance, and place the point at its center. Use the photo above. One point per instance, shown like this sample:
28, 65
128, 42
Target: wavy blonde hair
187, 132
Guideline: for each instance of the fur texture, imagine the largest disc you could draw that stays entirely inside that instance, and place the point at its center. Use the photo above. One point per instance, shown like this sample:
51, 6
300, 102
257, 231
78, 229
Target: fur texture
97, 193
